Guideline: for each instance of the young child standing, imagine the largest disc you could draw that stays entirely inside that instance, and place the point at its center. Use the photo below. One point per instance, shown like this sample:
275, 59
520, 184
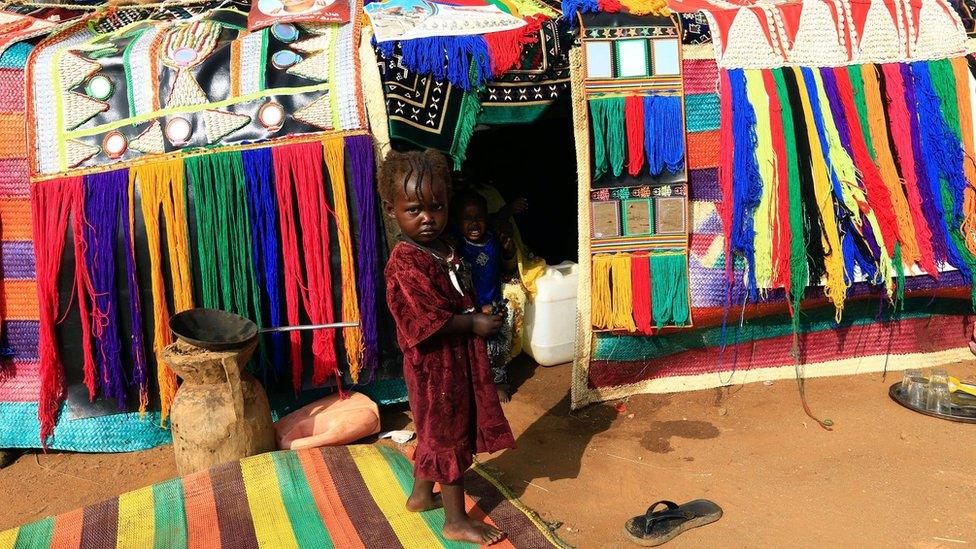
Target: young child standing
454, 403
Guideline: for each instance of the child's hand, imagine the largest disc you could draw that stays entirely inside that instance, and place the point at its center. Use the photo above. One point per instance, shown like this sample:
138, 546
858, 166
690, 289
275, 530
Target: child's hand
486, 325
508, 244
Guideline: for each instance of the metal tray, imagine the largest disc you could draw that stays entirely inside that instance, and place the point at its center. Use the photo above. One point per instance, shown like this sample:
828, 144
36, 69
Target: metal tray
963, 405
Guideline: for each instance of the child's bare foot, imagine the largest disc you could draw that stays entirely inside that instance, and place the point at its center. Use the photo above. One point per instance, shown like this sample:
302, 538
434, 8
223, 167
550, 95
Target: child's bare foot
472, 531
418, 503
503, 395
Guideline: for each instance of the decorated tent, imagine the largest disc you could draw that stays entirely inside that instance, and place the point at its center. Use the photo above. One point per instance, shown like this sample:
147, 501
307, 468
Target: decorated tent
766, 190
161, 157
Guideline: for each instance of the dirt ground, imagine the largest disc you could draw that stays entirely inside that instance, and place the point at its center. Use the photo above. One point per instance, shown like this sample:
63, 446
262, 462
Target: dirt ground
883, 477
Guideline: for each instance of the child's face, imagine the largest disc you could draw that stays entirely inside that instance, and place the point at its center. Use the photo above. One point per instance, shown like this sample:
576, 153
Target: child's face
472, 221
420, 213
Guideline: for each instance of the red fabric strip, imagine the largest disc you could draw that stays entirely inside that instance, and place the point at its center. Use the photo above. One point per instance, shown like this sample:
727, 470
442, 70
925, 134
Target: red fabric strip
782, 237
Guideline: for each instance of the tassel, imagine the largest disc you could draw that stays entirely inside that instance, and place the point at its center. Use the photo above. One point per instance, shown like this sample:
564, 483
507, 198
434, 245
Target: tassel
914, 232
223, 224
763, 217
263, 216
616, 134
747, 187
725, 170
138, 349
835, 287
298, 170
570, 9
51, 204
904, 134
462, 60
334, 150
646, 7
634, 114
781, 220
161, 192
104, 194
900, 284
505, 47
669, 273
812, 226
640, 282
360, 151
962, 77
942, 81
86, 295
664, 138
798, 274
602, 303
622, 296
598, 118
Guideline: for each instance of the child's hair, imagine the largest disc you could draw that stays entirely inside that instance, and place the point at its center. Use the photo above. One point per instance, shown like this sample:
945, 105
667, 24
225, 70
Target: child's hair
427, 166
468, 198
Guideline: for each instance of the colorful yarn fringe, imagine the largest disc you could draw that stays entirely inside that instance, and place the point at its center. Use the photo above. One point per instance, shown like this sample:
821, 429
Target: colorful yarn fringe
164, 204
51, 204
352, 337
360, 151
635, 127
669, 295
811, 167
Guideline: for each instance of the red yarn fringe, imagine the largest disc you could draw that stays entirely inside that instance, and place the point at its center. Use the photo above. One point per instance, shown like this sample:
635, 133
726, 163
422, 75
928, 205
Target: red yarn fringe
634, 118
726, 141
640, 282
298, 179
51, 205
610, 6
505, 47
781, 222
85, 291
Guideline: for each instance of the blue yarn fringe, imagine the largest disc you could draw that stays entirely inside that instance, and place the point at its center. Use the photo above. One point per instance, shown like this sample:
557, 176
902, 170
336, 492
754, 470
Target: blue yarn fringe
262, 209
448, 58
571, 7
664, 141
747, 190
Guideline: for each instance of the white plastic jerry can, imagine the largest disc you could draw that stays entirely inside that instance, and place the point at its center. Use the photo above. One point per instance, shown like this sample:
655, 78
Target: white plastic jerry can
549, 336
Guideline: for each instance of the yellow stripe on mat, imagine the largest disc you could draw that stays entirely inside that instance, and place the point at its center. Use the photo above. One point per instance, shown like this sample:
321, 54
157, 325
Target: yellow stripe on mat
137, 520
271, 523
8, 538
410, 528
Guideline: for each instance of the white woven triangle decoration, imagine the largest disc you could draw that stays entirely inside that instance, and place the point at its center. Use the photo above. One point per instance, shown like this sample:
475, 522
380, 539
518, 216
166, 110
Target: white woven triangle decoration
77, 152
317, 28
882, 41
79, 109
939, 34
186, 92
318, 43
817, 43
74, 70
150, 141
747, 45
317, 113
222, 123
313, 67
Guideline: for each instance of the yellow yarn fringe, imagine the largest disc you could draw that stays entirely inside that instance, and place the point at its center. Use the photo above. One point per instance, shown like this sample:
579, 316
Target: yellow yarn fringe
960, 68
602, 302
623, 300
334, 151
763, 216
886, 164
646, 7
835, 287
161, 187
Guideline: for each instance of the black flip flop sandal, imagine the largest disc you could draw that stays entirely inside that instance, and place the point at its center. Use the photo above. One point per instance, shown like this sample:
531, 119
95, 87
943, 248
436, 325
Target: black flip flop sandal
656, 527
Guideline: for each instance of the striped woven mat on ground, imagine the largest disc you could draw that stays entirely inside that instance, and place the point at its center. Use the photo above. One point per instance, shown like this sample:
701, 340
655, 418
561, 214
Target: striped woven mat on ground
344, 497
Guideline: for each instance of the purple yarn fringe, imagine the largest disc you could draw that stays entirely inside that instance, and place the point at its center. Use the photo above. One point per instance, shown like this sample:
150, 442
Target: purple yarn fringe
360, 150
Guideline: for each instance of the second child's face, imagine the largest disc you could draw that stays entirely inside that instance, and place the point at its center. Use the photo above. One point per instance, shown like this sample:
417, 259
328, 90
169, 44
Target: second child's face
421, 213
472, 222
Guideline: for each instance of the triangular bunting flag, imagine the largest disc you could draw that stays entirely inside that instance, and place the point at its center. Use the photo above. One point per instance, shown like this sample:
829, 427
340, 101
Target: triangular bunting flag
223, 123
186, 92
74, 70
79, 109
315, 67
318, 113
77, 152
150, 141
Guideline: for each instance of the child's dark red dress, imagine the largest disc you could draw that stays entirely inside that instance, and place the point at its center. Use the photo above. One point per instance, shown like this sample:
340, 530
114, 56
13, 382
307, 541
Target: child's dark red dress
453, 399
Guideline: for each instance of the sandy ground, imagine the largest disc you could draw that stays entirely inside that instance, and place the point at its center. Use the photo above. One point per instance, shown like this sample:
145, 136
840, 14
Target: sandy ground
883, 477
